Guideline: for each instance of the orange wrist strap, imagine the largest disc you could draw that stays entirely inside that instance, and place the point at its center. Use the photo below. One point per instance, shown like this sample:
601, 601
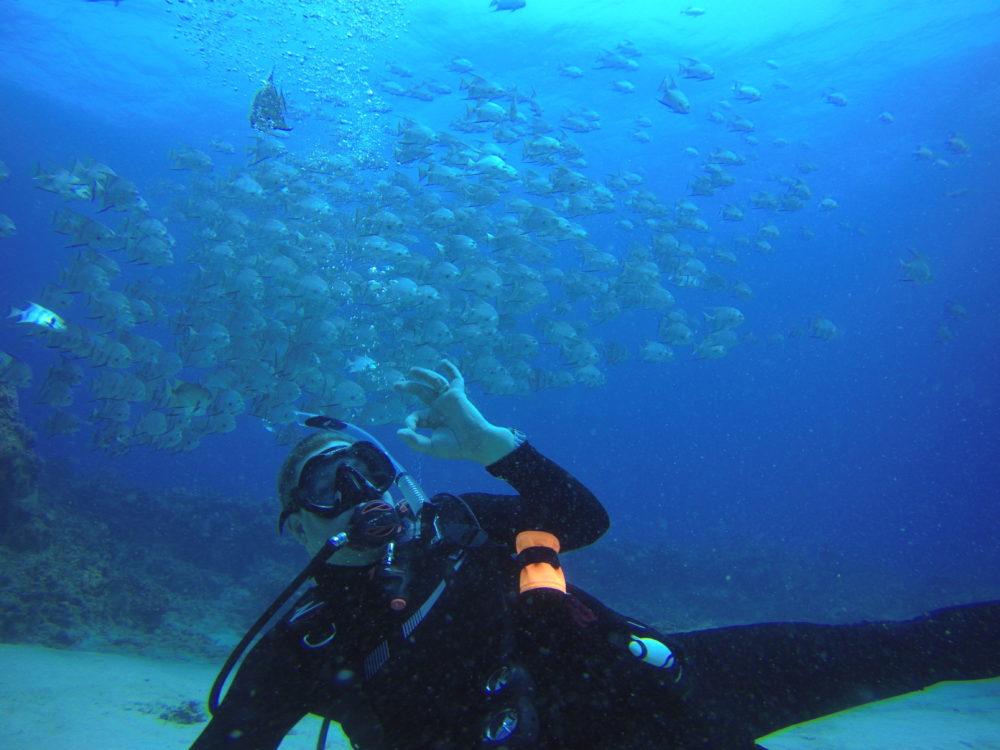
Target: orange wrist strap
540, 575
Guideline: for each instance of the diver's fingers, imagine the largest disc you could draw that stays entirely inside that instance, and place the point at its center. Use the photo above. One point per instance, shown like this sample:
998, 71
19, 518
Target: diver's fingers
434, 379
413, 440
451, 369
415, 419
423, 391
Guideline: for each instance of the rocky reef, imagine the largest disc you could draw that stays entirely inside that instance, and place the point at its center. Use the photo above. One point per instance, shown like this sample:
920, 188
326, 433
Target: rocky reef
88, 561
139, 569
19, 467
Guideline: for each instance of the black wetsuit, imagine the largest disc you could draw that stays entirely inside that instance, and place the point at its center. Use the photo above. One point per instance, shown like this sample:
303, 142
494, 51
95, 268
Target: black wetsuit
416, 678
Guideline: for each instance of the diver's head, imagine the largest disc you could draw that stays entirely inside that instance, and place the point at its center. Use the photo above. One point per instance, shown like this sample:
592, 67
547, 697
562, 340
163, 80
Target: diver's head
332, 483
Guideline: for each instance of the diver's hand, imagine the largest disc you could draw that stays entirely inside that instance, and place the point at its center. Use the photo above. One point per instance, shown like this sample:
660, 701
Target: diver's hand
458, 428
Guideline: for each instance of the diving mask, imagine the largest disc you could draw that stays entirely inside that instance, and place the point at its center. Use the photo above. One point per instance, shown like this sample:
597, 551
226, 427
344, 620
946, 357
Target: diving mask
342, 478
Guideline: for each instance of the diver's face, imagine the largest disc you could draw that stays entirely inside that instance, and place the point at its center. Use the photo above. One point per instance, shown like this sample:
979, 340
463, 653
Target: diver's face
312, 531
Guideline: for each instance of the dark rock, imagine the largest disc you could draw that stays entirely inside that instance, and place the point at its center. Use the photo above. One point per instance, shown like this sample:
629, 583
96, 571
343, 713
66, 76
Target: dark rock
19, 468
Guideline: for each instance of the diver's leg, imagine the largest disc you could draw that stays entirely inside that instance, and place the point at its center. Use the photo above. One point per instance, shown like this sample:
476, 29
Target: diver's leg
766, 677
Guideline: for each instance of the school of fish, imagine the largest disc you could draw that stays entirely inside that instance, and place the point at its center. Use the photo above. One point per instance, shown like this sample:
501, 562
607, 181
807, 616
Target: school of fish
309, 282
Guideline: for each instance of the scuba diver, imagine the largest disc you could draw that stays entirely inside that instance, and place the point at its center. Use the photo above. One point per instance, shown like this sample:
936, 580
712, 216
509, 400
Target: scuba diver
446, 623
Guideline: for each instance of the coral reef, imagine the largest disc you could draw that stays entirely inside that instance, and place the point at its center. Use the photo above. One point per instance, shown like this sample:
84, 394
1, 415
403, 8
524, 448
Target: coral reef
139, 569
19, 525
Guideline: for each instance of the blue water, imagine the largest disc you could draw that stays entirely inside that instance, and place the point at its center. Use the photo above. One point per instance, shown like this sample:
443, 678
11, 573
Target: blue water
879, 446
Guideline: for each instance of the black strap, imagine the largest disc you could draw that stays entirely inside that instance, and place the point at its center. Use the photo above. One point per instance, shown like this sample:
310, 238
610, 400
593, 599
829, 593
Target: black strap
468, 535
532, 555
324, 730
464, 535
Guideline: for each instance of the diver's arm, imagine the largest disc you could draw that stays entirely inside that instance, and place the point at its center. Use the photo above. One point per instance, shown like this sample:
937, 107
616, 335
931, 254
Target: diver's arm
550, 498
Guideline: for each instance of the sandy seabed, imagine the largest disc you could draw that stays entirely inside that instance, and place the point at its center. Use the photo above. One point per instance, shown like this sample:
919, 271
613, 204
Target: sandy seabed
53, 700
57, 700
